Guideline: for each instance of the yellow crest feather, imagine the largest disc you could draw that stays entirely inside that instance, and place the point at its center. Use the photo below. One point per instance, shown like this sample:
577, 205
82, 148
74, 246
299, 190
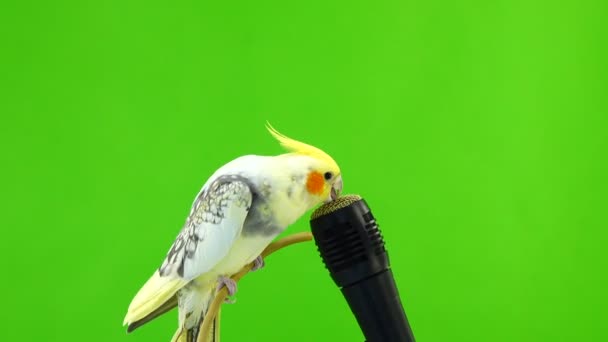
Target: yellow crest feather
299, 147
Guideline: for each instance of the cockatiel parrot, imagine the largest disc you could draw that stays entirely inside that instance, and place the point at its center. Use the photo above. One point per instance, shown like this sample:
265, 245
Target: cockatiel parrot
241, 208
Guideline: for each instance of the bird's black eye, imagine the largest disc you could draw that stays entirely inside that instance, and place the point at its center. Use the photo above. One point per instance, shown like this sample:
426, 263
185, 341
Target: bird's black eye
328, 175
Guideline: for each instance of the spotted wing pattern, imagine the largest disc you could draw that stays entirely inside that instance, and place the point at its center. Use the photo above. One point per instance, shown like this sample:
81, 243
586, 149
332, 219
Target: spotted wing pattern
215, 220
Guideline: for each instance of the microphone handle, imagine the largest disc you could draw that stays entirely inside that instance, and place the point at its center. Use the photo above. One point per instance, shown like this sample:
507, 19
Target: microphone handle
376, 304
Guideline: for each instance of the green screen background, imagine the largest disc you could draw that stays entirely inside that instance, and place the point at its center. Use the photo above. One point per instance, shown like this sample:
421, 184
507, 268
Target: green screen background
476, 132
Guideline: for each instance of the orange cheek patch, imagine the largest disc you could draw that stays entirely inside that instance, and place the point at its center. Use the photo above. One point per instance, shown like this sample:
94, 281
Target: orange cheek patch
315, 183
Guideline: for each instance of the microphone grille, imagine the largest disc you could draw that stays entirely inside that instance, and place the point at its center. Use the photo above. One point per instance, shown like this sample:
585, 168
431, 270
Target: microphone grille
338, 203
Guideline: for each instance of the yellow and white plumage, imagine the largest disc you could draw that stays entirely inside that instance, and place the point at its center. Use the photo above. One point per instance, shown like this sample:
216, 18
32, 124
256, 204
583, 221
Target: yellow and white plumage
241, 208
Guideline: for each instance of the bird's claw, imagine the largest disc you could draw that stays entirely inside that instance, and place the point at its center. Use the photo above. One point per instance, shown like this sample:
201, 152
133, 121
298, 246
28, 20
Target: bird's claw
258, 263
230, 285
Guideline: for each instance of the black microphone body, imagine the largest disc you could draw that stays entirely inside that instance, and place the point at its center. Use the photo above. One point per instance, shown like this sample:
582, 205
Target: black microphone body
353, 251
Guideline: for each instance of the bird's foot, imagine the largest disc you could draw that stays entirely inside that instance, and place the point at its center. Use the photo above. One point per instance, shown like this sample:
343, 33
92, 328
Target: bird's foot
258, 264
230, 285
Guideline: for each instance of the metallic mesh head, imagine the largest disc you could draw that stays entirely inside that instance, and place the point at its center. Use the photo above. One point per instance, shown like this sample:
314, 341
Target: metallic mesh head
338, 203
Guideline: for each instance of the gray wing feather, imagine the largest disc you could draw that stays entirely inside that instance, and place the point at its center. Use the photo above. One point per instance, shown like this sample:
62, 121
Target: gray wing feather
215, 221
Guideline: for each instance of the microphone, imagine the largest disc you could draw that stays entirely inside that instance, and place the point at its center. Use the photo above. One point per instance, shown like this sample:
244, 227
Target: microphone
352, 248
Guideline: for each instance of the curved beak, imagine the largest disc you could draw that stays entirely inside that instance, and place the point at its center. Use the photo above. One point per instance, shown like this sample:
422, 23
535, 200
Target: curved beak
336, 189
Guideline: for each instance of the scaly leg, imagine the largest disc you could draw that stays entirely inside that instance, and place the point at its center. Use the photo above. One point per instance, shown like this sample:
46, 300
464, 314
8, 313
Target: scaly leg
230, 285
258, 264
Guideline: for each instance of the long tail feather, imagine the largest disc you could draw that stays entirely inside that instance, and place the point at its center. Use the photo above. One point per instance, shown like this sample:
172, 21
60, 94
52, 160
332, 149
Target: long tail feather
164, 308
